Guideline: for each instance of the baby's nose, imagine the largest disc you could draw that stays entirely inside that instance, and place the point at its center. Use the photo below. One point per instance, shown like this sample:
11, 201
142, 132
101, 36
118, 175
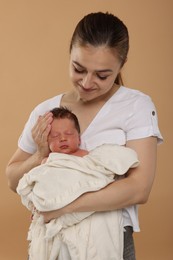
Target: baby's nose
62, 138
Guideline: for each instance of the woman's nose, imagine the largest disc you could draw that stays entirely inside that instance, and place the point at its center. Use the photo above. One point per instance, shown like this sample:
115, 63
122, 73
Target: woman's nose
87, 81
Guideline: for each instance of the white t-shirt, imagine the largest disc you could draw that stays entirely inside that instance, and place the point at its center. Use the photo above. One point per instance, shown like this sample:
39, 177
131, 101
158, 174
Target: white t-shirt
128, 115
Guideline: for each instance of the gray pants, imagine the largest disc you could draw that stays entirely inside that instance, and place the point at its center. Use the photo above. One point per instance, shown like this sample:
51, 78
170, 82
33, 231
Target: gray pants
129, 248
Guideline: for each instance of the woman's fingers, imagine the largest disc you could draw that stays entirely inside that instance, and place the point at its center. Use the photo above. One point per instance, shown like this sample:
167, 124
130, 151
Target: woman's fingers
40, 132
42, 123
42, 126
46, 217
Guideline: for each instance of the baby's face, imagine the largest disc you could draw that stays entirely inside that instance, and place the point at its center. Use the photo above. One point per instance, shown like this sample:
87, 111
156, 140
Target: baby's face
63, 137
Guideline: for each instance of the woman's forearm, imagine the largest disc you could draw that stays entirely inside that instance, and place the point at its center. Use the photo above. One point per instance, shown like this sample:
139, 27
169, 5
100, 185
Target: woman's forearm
17, 168
116, 195
22, 162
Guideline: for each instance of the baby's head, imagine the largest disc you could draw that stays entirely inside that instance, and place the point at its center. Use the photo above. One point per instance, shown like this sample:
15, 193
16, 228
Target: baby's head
64, 136
63, 112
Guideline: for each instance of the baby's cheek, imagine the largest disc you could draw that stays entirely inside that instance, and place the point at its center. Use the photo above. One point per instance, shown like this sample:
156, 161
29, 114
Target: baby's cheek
54, 147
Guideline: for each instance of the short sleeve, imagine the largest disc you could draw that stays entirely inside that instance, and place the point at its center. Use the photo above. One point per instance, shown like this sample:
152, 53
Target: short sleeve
143, 120
26, 142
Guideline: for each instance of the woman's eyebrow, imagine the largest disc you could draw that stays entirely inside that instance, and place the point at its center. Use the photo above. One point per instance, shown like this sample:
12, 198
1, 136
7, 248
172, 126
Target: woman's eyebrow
78, 64
104, 70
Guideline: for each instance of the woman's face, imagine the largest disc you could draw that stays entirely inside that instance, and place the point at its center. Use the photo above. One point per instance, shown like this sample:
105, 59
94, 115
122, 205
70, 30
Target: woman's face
93, 71
63, 137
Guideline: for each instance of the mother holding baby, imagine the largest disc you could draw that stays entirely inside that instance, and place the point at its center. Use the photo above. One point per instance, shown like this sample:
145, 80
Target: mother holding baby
108, 112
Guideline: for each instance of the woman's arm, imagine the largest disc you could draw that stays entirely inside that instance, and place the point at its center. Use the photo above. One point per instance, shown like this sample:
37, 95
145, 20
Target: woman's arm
134, 189
22, 162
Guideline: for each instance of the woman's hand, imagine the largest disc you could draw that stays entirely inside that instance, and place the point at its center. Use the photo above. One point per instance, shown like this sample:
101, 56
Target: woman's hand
48, 216
40, 133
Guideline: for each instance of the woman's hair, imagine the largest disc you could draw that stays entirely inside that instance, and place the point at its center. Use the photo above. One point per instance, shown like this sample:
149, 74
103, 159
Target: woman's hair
64, 112
103, 29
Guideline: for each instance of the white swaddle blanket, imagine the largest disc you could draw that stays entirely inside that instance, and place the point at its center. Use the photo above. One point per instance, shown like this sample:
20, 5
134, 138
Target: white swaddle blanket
58, 182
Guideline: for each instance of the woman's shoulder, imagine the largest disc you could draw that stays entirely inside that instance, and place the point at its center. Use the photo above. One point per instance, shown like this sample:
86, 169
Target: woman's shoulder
130, 96
133, 93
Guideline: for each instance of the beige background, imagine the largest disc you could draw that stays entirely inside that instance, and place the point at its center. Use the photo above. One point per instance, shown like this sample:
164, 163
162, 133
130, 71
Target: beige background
34, 40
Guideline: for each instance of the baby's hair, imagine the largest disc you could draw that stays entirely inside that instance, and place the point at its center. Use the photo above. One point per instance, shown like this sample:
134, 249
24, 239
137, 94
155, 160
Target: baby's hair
64, 112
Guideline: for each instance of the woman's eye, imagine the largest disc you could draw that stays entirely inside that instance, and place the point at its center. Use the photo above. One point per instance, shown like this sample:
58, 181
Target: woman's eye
102, 77
78, 71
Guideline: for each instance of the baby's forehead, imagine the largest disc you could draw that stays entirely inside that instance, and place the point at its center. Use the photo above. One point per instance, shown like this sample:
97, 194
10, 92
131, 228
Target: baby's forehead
62, 119
65, 120
62, 124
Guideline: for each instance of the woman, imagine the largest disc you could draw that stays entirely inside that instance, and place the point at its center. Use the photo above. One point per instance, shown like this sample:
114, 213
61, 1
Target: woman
108, 112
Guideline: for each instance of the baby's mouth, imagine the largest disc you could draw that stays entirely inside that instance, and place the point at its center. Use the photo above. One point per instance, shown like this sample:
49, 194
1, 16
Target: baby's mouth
64, 146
